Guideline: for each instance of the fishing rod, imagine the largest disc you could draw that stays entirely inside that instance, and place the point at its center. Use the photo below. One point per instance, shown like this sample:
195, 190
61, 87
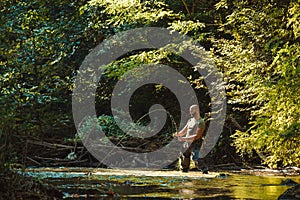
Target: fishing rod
138, 121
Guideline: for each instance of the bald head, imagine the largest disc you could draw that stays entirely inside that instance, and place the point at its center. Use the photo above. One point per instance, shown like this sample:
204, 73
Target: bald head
194, 111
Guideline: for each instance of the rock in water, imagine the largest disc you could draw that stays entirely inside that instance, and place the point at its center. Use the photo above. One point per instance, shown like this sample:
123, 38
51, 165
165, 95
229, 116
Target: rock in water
291, 194
288, 182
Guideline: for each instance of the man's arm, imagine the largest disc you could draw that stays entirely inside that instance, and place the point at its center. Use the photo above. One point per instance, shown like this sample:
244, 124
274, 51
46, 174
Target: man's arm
182, 132
191, 138
199, 133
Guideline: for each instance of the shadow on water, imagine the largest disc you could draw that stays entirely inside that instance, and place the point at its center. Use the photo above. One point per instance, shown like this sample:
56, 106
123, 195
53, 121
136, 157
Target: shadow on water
77, 183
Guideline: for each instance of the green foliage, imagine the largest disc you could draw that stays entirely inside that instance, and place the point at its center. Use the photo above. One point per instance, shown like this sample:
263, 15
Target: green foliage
42, 44
113, 131
256, 45
262, 70
186, 27
123, 15
109, 126
36, 40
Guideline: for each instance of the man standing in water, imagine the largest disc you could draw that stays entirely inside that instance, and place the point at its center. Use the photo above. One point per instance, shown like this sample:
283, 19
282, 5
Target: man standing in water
192, 132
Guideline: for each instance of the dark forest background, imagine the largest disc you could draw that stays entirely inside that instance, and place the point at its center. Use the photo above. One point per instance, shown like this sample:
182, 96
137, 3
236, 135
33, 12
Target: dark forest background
255, 44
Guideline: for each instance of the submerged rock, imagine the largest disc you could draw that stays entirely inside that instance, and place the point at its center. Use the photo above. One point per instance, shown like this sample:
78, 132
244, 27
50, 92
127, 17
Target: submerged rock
288, 182
222, 175
291, 194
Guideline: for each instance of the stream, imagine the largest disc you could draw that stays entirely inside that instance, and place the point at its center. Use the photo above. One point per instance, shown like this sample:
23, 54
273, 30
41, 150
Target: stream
91, 183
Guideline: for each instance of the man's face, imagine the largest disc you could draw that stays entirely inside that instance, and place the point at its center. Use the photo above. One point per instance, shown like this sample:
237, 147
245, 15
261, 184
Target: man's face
192, 112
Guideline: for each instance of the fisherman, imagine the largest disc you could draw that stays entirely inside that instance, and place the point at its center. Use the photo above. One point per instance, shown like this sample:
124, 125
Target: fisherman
191, 135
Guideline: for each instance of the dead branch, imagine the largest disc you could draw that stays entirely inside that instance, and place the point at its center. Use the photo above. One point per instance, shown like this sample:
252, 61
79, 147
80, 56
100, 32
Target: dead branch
32, 160
50, 145
187, 7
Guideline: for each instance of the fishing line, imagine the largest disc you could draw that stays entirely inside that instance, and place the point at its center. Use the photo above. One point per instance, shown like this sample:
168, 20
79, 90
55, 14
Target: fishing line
169, 114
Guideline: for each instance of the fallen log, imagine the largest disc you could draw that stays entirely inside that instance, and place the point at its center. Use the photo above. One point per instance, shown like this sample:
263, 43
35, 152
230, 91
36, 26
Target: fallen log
50, 145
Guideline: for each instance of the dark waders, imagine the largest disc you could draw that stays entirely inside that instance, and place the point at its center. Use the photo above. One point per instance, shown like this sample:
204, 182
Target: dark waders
186, 157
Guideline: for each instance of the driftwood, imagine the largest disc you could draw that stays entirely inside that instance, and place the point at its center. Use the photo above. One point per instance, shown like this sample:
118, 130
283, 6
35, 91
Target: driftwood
50, 145
52, 159
54, 154
225, 165
59, 161
69, 162
32, 160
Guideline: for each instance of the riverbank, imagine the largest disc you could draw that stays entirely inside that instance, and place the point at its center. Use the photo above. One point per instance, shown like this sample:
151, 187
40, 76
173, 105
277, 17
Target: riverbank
16, 186
256, 170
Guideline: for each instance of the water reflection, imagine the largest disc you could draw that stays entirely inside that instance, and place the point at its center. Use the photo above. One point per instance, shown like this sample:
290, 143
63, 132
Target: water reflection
109, 184
188, 189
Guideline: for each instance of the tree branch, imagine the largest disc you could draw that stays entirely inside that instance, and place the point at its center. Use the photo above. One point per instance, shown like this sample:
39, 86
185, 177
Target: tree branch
186, 7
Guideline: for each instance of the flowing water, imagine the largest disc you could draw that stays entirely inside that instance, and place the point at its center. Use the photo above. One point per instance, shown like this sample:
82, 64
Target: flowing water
80, 183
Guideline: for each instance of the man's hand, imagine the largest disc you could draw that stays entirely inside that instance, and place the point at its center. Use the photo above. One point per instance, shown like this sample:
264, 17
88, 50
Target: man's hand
184, 139
190, 138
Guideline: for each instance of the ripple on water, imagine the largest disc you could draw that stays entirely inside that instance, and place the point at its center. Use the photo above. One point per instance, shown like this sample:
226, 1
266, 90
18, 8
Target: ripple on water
79, 183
